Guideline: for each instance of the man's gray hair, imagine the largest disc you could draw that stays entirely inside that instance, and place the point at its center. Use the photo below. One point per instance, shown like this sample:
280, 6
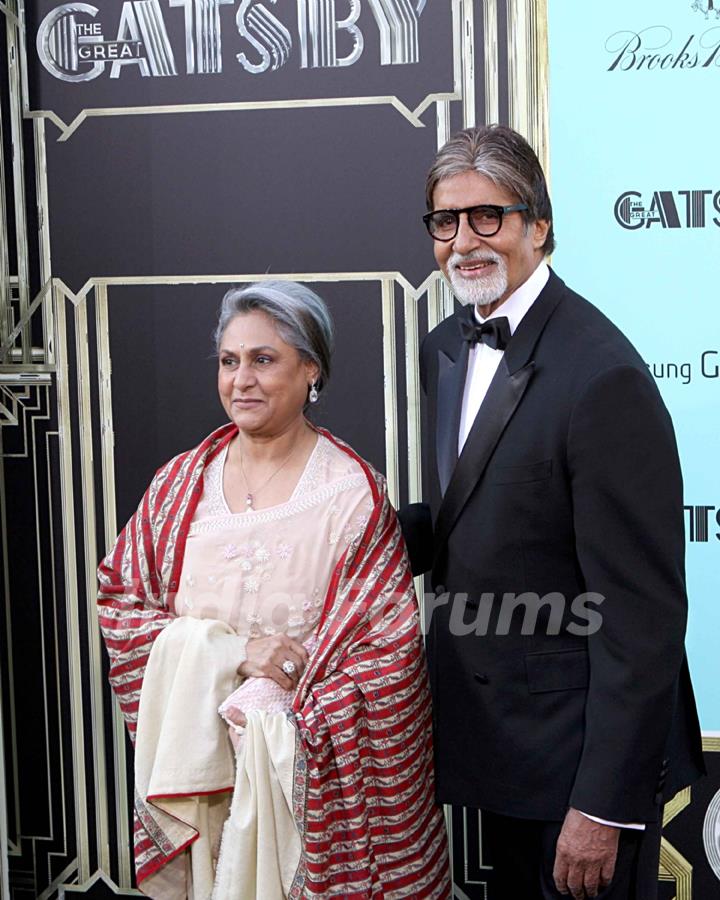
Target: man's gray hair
300, 316
505, 158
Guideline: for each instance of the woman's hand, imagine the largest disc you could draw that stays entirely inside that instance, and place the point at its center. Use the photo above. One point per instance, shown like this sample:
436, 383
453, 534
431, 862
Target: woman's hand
265, 658
236, 716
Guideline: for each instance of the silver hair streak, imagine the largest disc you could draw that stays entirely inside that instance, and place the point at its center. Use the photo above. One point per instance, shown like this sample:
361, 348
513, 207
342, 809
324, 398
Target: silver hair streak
300, 316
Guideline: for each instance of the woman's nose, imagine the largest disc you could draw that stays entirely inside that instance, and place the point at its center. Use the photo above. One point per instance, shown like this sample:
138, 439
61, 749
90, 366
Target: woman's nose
244, 374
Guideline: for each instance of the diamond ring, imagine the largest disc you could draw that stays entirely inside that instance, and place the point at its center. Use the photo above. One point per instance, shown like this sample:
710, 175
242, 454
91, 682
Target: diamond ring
289, 667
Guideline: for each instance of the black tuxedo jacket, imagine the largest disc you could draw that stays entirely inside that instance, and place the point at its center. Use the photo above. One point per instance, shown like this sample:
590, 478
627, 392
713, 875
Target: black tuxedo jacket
568, 485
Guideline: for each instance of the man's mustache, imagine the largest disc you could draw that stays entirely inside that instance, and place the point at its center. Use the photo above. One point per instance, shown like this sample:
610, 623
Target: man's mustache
474, 256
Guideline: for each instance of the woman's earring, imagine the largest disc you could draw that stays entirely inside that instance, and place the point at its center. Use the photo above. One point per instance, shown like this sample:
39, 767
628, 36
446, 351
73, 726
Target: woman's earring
313, 395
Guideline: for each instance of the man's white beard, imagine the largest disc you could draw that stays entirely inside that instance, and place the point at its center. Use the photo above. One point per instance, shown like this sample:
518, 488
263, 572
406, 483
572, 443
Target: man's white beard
483, 291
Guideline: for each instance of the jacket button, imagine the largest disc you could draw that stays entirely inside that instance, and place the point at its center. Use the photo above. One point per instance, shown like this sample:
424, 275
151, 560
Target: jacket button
482, 679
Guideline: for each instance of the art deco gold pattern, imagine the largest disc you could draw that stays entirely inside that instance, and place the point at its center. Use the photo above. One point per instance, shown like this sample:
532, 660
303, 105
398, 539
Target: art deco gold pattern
55, 302
56, 411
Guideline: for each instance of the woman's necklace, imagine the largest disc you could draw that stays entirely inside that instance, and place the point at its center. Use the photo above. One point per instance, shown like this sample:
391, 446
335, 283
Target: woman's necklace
251, 494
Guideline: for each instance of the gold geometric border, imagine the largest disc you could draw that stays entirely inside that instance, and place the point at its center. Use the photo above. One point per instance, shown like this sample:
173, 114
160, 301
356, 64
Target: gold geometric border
528, 73
675, 868
30, 405
673, 865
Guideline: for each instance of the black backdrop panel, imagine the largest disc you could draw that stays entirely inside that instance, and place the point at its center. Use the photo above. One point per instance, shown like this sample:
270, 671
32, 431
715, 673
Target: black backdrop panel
312, 190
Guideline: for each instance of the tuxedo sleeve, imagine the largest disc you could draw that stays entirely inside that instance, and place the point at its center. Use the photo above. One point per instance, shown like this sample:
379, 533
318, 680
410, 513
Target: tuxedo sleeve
417, 529
629, 531
416, 518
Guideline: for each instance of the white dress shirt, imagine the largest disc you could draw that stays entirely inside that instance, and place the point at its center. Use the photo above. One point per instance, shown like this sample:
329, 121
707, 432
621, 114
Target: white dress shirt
483, 362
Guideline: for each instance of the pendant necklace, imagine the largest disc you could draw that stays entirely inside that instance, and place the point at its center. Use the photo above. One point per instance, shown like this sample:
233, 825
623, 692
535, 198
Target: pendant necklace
251, 494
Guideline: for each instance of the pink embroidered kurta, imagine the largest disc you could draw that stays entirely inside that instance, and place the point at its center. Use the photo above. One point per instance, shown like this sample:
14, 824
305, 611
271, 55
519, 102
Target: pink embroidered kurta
267, 571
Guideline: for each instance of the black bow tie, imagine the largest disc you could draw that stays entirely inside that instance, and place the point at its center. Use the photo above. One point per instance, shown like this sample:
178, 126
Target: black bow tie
494, 332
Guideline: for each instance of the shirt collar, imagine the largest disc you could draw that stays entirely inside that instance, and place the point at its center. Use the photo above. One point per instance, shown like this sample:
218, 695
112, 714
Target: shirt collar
520, 301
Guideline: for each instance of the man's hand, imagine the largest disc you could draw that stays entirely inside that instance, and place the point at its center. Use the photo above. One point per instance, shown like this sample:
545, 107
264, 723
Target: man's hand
585, 856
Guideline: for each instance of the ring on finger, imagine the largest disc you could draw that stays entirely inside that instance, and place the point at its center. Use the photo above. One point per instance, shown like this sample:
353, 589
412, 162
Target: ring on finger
289, 667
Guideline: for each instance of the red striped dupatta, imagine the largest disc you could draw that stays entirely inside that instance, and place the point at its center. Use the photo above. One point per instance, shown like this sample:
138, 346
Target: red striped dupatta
138, 581
364, 784
371, 825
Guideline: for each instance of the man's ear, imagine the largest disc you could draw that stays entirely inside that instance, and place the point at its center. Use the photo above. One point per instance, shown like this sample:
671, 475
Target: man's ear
540, 228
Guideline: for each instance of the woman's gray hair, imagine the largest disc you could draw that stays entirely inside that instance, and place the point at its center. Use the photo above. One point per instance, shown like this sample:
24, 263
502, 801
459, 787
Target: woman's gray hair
505, 158
300, 316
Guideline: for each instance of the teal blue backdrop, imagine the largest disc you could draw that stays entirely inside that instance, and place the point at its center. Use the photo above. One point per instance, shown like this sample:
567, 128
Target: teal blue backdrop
634, 137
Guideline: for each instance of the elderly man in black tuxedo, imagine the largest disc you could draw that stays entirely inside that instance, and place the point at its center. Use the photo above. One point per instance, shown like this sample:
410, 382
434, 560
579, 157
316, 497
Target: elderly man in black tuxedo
563, 704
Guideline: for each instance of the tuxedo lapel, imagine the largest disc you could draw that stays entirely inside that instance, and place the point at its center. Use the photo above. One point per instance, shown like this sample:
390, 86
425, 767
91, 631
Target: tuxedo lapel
522, 343
502, 399
451, 385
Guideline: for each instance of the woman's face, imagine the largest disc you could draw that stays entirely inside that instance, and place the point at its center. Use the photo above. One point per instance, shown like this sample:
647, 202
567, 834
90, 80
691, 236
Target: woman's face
262, 381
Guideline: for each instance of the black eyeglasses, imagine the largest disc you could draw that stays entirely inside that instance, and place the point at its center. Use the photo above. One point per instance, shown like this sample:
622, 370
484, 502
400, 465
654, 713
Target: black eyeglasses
485, 220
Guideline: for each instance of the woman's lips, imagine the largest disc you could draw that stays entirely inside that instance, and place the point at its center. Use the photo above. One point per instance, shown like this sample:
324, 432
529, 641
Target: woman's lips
246, 402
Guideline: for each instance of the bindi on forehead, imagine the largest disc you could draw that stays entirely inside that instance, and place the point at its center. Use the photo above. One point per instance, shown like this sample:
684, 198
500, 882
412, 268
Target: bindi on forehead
259, 349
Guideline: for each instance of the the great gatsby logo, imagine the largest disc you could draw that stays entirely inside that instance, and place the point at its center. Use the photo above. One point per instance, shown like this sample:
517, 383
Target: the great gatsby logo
78, 42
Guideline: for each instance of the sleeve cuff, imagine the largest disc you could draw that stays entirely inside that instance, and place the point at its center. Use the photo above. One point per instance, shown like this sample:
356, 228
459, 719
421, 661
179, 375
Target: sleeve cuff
635, 826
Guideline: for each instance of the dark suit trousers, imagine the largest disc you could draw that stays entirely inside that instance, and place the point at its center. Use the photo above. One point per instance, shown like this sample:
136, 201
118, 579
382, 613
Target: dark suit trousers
522, 854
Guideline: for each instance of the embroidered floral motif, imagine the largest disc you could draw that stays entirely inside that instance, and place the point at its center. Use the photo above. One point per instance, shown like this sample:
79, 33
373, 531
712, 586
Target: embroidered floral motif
284, 550
355, 529
262, 554
361, 519
312, 477
212, 503
255, 561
